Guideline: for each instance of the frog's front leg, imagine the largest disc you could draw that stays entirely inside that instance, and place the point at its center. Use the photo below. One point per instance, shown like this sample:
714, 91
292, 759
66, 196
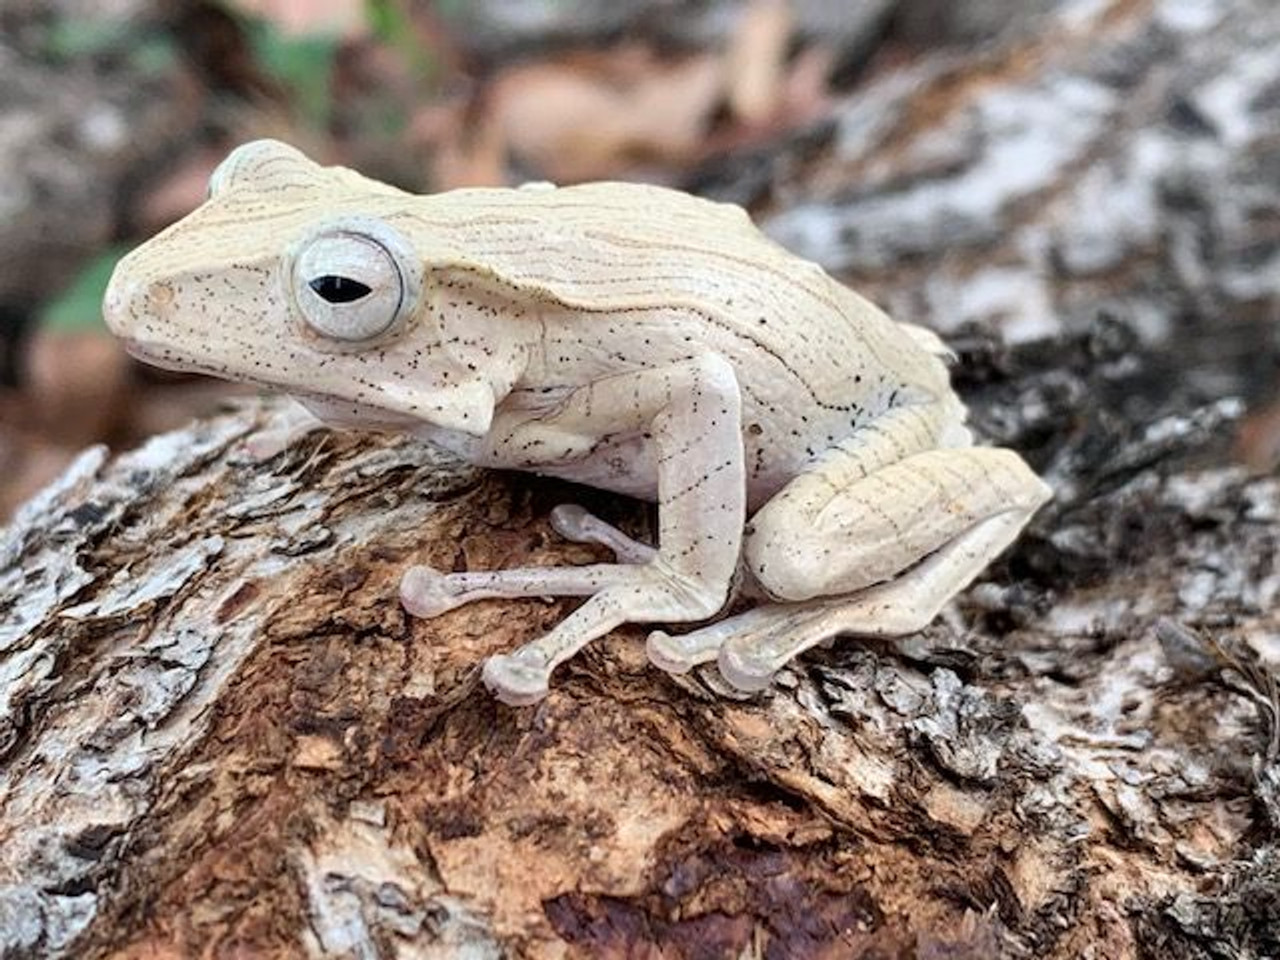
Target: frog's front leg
692, 411
873, 555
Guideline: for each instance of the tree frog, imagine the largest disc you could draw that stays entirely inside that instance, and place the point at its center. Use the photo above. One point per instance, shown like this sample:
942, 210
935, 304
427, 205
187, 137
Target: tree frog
629, 337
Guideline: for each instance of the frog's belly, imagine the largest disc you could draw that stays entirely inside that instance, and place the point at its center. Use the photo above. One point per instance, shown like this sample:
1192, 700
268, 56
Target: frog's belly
783, 439
625, 464
629, 464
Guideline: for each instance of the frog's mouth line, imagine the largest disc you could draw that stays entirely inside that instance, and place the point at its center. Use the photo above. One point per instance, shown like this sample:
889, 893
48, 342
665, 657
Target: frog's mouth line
364, 412
168, 360
361, 410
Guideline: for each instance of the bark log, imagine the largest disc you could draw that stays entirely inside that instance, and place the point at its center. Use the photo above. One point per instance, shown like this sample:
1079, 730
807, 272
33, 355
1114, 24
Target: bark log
219, 734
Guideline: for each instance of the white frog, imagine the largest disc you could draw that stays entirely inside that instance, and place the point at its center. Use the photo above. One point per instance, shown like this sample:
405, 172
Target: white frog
633, 338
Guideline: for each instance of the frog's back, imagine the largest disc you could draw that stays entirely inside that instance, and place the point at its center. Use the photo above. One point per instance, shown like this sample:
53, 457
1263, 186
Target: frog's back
612, 248
603, 246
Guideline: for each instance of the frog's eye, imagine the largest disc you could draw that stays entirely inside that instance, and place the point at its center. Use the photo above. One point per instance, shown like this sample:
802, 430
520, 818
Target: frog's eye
350, 285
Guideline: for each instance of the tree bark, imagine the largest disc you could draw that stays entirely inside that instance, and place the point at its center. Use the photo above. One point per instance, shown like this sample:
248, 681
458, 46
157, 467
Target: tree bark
220, 735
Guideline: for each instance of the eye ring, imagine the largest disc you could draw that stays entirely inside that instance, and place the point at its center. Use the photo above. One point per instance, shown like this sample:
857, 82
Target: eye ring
353, 279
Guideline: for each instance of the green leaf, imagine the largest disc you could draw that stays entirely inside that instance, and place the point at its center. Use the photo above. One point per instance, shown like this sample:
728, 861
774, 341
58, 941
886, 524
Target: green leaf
391, 25
147, 50
79, 305
303, 64
71, 38
153, 55
387, 20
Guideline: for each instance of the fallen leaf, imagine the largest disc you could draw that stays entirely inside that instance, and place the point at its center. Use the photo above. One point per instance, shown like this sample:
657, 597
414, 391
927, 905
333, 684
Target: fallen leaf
1258, 441
343, 18
755, 63
178, 192
595, 117
27, 465
807, 88
468, 146
77, 385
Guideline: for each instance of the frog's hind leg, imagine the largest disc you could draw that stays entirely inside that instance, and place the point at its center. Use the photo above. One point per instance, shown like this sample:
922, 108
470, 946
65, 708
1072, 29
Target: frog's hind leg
749, 659
958, 509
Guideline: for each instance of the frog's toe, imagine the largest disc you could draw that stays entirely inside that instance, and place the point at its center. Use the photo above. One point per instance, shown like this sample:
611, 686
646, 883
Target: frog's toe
515, 681
572, 522
577, 524
678, 654
426, 593
744, 668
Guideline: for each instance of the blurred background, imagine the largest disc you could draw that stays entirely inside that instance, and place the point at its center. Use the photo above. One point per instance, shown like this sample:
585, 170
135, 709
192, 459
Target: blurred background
1013, 173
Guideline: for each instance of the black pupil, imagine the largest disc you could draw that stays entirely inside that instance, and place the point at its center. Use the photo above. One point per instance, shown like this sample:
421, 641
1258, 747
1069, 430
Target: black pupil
337, 289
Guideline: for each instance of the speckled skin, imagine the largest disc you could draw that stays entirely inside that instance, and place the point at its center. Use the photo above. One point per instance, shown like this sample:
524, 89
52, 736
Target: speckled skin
630, 337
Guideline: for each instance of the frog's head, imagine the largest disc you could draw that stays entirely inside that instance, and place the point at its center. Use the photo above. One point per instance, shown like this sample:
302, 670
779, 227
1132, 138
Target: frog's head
306, 279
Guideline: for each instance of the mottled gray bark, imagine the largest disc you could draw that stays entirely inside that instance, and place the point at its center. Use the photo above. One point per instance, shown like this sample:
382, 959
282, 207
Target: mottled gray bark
1121, 160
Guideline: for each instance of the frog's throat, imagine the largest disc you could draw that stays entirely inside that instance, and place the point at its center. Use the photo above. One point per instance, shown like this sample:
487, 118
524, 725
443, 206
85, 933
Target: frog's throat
465, 406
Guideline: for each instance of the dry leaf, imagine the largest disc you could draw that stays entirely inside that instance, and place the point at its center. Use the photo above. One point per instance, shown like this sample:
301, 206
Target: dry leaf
177, 193
594, 118
755, 63
468, 147
77, 385
1258, 442
806, 91
27, 465
344, 18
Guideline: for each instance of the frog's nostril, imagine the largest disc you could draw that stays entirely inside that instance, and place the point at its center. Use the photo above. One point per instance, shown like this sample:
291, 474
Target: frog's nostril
127, 305
160, 297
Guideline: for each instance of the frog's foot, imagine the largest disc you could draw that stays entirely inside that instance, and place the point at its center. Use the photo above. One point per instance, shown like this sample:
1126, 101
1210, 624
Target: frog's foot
517, 679
777, 633
681, 653
752, 647
621, 594
574, 523
749, 659
427, 593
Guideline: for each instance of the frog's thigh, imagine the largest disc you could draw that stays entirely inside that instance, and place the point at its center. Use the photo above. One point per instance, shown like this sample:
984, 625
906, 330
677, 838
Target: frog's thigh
1000, 494
821, 538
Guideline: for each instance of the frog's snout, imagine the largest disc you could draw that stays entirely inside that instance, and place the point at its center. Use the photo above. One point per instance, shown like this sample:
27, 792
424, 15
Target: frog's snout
121, 305
141, 314
115, 308
131, 307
